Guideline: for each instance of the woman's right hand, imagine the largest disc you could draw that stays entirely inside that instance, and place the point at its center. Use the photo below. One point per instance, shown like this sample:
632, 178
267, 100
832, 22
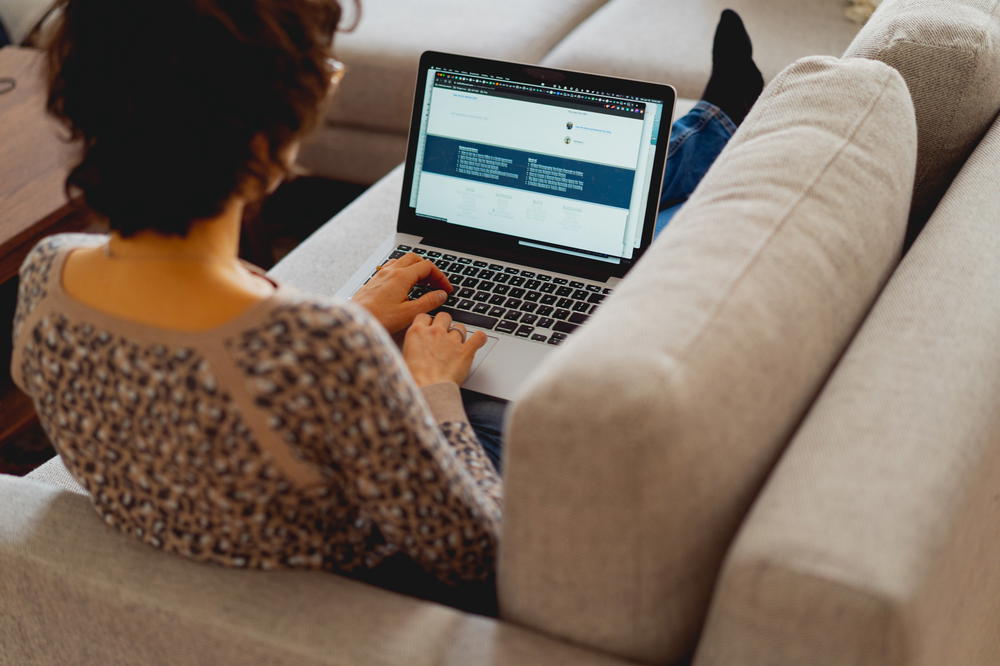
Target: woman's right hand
436, 350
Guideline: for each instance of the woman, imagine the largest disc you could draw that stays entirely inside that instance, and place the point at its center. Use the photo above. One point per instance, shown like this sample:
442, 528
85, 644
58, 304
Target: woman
208, 410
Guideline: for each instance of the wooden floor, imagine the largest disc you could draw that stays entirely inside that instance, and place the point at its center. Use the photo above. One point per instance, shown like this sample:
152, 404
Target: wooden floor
289, 216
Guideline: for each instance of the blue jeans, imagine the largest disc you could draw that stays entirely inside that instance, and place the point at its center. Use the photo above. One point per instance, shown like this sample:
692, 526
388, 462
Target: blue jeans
695, 141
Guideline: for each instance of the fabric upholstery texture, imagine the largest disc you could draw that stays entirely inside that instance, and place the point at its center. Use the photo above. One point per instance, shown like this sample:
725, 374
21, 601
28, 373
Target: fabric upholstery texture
670, 41
949, 53
876, 539
635, 450
54, 473
75, 592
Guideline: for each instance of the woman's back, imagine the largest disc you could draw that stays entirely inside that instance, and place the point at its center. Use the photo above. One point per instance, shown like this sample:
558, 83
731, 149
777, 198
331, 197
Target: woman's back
290, 435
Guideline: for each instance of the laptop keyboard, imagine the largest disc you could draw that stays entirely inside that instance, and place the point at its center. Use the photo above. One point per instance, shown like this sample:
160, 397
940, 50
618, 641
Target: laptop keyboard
497, 297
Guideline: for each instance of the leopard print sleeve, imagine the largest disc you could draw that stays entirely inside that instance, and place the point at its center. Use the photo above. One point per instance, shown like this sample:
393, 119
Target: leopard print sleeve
466, 445
335, 386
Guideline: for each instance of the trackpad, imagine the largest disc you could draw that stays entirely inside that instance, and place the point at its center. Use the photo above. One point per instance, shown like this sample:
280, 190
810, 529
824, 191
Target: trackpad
482, 353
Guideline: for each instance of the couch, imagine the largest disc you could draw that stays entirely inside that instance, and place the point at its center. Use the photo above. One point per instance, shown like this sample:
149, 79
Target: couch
797, 463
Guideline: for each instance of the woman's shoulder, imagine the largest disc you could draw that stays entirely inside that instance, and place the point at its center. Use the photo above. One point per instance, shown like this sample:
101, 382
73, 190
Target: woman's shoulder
47, 248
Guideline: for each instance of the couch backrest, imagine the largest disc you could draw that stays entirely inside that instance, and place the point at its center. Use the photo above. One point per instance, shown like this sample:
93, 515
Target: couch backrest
636, 449
949, 53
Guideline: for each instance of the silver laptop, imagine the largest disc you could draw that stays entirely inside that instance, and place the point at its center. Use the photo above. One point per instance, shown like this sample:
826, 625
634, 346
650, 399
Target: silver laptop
535, 190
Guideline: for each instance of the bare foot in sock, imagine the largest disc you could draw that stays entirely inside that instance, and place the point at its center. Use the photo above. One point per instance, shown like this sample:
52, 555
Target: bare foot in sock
736, 83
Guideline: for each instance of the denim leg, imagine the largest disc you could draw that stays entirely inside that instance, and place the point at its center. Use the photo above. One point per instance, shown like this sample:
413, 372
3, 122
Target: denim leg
695, 141
486, 416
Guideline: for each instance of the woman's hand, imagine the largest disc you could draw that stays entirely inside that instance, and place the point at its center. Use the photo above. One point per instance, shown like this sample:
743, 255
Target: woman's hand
385, 295
436, 349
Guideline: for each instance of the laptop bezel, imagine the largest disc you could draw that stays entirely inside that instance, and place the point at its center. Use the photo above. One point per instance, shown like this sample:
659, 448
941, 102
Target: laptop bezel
504, 247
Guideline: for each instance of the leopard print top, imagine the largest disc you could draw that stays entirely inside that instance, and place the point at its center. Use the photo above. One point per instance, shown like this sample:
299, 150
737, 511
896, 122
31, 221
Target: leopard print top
290, 437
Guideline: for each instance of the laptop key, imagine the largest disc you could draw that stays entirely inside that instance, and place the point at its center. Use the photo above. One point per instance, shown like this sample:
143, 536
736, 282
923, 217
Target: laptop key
470, 270
512, 315
580, 306
455, 280
501, 277
516, 281
501, 289
564, 291
487, 275
481, 296
510, 271
545, 310
525, 331
605, 291
496, 267
564, 303
532, 296
528, 318
513, 303
545, 322
464, 260
480, 264
595, 298
472, 318
481, 308
556, 339
529, 307
527, 274
497, 312
448, 257
517, 292
580, 294
576, 285
404, 248
538, 337
543, 277
466, 304
559, 280
498, 300
396, 254
593, 287
433, 254
565, 327
466, 292
506, 327
547, 288
561, 314
419, 250
532, 284
577, 318
470, 282
548, 299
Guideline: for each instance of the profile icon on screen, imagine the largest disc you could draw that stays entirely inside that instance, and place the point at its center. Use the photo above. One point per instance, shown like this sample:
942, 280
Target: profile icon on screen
567, 140
569, 125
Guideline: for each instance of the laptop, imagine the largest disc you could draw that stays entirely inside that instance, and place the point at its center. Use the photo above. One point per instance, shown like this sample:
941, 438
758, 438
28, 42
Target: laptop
534, 190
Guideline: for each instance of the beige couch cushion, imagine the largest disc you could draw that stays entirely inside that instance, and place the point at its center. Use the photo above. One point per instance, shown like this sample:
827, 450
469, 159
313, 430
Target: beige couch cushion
382, 54
635, 451
671, 40
876, 540
949, 53
73, 591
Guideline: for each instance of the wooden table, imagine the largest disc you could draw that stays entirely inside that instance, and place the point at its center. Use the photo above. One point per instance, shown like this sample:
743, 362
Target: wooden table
34, 160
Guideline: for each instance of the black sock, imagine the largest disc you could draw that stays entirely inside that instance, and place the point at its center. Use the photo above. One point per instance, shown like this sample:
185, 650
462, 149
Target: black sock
736, 82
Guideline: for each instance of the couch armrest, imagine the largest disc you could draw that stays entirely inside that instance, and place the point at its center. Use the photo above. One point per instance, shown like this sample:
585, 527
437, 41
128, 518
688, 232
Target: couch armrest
876, 540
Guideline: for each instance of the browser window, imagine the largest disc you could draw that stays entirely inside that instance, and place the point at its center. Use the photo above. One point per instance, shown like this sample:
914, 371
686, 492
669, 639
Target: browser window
561, 168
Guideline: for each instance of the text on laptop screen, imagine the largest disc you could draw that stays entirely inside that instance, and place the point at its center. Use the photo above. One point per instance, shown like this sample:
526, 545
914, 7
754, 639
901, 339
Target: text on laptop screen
561, 168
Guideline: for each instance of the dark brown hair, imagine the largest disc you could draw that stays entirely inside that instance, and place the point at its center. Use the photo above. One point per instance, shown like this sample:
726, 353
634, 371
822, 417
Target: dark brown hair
169, 97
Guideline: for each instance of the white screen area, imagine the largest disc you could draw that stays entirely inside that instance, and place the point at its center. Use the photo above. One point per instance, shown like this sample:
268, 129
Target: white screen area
542, 172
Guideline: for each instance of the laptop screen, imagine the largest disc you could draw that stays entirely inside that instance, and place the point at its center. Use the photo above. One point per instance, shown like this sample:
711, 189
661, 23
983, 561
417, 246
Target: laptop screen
561, 168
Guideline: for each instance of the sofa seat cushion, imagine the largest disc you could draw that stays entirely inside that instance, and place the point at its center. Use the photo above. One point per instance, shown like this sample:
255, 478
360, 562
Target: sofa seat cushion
636, 449
75, 591
670, 41
382, 54
949, 53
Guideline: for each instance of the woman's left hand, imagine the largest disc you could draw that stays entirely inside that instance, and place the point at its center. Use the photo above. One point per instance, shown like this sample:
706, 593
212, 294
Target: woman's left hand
386, 294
